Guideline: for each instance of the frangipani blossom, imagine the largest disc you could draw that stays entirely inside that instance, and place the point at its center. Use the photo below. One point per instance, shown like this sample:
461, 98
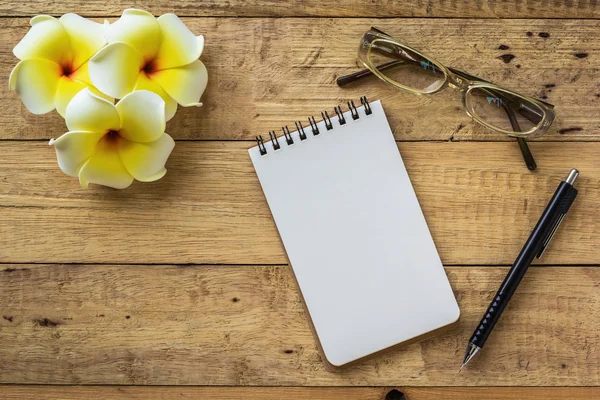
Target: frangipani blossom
111, 145
53, 66
148, 53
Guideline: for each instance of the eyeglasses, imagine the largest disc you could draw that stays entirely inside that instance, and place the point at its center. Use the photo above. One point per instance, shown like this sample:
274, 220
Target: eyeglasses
494, 107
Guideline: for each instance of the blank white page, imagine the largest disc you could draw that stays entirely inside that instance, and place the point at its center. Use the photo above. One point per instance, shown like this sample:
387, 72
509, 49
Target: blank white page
356, 237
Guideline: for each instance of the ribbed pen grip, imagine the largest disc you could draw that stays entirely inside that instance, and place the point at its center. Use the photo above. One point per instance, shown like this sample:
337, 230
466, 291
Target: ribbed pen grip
486, 325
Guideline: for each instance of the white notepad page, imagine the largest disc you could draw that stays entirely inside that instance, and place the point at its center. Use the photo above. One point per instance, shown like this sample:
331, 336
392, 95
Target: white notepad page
355, 236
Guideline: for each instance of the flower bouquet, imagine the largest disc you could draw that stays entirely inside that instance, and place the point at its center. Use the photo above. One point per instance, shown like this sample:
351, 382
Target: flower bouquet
146, 65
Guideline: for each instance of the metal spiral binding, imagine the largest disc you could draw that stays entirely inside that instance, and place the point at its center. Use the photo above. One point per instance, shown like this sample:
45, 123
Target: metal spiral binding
364, 102
353, 110
300, 130
261, 145
288, 137
327, 120
313, 125
340, 115
274, 140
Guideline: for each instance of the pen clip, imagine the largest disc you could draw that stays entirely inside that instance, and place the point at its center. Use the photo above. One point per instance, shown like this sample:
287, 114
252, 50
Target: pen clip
563, 206
551, 235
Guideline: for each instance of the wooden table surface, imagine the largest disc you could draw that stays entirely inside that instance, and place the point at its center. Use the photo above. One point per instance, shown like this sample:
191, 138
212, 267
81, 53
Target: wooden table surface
183, 283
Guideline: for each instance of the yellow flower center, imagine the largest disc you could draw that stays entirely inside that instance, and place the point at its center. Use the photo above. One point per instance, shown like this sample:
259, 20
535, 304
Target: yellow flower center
68, 69
112, 136
149, 67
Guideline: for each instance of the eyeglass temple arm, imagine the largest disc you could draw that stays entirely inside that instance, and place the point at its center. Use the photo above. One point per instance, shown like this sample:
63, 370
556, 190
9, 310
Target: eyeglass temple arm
346, 79
510, 110
525, 151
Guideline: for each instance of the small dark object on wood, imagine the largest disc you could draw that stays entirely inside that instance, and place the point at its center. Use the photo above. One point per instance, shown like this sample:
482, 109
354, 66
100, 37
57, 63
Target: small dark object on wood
567, 130
46, 322
506, 58
395, 395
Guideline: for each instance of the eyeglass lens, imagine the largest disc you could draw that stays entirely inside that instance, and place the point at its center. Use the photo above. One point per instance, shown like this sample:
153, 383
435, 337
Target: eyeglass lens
504, 110
411, 70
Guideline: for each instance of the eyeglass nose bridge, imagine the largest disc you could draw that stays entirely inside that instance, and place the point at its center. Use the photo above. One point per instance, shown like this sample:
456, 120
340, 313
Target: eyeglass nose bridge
457, 82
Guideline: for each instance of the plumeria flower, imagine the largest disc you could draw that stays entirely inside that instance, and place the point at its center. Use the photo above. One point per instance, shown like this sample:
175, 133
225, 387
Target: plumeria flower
156, 54
54, 55
111, 145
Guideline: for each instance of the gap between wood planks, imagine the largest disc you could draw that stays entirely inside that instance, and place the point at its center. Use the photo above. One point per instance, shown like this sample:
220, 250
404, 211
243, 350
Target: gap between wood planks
316, 8
184, 265
293, 393
307, 17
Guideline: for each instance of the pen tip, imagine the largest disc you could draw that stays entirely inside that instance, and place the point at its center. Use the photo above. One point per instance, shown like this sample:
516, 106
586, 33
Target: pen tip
461, 368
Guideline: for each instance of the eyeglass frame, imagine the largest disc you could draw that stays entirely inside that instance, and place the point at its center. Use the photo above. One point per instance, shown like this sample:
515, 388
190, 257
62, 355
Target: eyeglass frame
454, 79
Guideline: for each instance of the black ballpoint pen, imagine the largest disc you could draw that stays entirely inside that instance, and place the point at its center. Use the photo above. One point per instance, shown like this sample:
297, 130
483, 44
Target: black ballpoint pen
534, 248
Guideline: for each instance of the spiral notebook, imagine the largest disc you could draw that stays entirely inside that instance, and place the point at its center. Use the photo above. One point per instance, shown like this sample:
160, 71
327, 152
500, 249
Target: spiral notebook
354, 233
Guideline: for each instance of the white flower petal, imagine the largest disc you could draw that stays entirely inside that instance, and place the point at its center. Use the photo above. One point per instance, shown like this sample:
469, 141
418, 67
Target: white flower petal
145, 83
73, 149
82, 75
105, 167
114, 69
179, 45
146, 161
184, 84
40, 18
86, 37
67, 89
90, 113
200, 40
36, 82
142, 116
47, 39
138, 29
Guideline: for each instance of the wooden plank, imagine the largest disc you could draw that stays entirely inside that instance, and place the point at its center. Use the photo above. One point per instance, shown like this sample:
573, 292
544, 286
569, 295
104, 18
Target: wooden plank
316, 8
13, 392
265, 73
218, 325
478, 198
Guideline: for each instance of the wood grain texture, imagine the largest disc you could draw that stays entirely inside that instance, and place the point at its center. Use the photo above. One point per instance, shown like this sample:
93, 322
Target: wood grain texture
265, 73
317, 8
478, 198
219, 325
244, 325
14, 392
